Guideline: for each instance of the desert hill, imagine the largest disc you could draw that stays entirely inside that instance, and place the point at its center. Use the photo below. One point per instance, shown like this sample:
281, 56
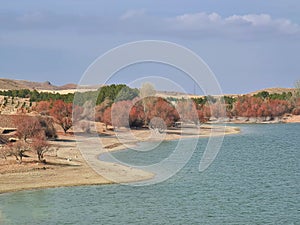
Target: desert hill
9, 84
275, 90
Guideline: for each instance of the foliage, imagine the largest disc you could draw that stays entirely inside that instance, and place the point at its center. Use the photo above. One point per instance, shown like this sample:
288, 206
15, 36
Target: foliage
82, 97
159, 107
131, 113
23, 93
36, 96
62, 113
137, 115
204, 113
210, 99
99, 110
40, 145
229, 101
116, 92
172, 99
274, 96
200, 101
43, 107
18, 149
297, 86
256, 107
147, 91
218, 110
120, 113
262, 94
296, 109
27, 128
187, 111
106, 118
46, 123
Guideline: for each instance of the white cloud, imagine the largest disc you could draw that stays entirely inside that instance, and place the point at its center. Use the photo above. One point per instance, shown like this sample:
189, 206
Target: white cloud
264, 20
197, 25
197, 17
256, 24
251, 19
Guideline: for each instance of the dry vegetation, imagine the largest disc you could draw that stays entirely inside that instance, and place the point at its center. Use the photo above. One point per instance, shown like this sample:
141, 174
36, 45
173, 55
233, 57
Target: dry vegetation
38, 159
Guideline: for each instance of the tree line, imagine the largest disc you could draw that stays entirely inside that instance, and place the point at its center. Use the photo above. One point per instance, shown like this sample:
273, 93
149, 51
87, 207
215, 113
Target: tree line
120, 105
114, 92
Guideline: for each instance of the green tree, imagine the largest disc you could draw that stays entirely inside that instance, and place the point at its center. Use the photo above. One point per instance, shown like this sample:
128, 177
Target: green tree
262, 94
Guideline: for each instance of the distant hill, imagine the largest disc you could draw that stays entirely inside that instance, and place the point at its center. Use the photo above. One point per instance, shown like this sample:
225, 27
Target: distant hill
8, 84
275, 90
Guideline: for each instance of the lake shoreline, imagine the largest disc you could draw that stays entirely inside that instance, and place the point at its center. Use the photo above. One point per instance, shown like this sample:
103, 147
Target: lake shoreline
67, 167
256, 120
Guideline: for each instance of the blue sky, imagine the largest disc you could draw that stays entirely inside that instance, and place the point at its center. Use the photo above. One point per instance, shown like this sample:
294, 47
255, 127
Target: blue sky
249, 45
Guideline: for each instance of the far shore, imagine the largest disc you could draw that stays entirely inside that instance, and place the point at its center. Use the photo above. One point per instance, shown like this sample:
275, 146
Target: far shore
67, 167
287, 118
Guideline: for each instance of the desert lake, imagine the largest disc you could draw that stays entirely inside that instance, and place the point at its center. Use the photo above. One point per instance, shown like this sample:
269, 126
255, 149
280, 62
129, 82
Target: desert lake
254, 180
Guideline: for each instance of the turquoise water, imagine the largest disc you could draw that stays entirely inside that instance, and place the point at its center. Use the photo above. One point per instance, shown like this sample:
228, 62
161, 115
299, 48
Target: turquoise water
255, 179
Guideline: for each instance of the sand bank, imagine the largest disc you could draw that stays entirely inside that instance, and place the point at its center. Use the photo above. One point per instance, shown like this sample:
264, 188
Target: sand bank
67, 167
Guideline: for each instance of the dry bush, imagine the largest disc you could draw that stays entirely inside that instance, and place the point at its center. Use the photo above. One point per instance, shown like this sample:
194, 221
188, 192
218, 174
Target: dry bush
40, 146
18, 149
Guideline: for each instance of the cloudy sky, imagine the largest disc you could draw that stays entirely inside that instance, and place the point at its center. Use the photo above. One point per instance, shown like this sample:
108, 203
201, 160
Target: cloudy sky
249, 45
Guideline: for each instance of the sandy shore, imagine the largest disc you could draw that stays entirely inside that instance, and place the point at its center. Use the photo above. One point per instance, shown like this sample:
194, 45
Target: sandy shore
293, 119
67, 167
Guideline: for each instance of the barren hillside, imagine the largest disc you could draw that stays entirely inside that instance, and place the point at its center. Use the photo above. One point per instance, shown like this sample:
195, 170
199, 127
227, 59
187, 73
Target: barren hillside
275, 90
8, 84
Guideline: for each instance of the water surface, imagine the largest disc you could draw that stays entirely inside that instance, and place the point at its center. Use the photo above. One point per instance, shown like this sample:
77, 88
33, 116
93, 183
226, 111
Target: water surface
254, 180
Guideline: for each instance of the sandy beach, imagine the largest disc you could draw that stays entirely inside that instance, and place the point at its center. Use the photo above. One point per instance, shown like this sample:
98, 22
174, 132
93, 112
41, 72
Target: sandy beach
67, 167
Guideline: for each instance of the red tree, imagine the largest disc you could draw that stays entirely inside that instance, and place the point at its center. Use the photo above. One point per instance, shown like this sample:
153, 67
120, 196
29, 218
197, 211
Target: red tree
163, 109
27, 127
106, 118
43, 107
204, 113
296, 106
62, 113
40, 146
137, 115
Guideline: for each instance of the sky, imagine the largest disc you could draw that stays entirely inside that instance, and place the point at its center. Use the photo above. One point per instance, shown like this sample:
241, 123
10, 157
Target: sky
249, 44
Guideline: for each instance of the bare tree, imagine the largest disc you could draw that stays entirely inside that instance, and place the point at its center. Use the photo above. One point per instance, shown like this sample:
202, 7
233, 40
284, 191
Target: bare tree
4, 152
40, 146
146, 92
18, 149
27, 127
85, 116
